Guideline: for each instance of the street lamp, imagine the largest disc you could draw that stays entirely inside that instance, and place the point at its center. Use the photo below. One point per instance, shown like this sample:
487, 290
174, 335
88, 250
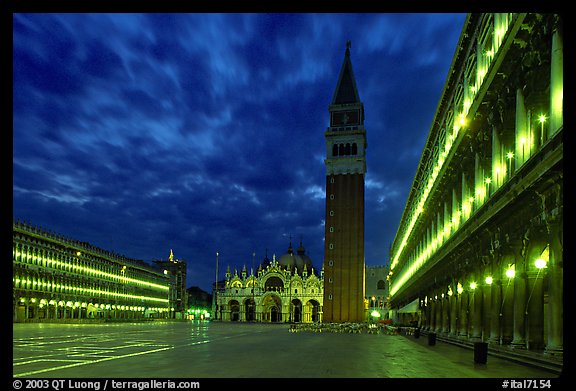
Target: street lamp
541, 119
167, 274
510, 273
509, 157
540, 264
124, 287
216, 291
253, 288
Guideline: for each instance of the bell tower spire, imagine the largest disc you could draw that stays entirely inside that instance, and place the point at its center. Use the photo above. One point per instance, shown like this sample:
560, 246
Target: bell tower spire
346, 91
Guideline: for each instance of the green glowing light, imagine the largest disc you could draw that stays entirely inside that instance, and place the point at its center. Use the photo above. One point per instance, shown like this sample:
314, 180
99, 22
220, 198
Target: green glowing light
540, 263
419, 258
542, 118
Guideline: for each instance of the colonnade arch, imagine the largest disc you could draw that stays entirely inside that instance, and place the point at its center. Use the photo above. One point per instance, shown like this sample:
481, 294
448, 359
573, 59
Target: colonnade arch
505, 296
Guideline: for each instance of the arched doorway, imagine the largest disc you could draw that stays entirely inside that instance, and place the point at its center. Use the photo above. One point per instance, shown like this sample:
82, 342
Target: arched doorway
296, 310
272, 309
311, 311
250, 306
234, 311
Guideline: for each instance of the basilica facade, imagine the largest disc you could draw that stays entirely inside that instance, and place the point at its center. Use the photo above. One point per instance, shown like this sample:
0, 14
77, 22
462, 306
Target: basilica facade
286, 289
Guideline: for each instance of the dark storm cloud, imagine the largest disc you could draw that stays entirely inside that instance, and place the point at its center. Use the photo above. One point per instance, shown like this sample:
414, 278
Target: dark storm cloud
141, 133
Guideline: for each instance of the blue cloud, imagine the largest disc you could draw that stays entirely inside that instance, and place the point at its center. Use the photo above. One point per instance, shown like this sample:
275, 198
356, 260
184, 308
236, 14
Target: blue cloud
203, 132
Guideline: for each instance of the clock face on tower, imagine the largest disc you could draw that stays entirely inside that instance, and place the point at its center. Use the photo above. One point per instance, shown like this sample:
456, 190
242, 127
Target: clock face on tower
345, 118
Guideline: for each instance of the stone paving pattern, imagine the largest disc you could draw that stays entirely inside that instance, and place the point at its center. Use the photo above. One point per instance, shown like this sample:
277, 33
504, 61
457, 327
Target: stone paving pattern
194, 350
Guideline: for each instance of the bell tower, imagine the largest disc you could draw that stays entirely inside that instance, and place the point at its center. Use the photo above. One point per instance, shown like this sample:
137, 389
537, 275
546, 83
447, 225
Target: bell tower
345, 163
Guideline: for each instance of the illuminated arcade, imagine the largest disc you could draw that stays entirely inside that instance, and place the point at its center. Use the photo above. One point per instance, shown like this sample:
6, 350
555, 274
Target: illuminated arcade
57, 278
478, 253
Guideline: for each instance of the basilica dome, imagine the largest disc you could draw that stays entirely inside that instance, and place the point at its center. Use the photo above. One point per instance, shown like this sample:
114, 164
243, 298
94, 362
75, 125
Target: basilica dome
296, 261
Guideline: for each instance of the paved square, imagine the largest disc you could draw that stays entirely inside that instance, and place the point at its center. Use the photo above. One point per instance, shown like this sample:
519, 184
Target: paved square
193, 350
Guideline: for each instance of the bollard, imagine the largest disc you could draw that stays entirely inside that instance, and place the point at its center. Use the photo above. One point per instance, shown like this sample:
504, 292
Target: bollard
480, 352
417, 333
431, 339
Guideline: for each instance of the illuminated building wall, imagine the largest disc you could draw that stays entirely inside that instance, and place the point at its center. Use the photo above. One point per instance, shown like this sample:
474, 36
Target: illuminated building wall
479, 244
60, 278
175, 269
376, 291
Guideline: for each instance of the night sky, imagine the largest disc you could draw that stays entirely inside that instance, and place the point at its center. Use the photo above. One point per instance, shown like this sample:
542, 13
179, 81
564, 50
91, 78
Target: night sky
142, 133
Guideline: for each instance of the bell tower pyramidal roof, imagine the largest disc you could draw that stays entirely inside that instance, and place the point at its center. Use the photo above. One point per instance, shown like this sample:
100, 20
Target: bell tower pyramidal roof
346, 91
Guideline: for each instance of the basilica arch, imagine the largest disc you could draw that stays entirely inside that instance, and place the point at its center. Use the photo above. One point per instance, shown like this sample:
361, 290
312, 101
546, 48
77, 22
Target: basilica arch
250, 310
271, 308
234, 310
296, 311
311, 311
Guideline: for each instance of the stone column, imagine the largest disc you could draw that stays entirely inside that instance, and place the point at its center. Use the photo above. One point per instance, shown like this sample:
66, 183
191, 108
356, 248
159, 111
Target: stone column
496, 303
519, 340
454, 301
535, 301
242, 313
556, 80
487, 313
438, 312
445, 314
432, 305
506, 310
522, 151
426, 311
26, 309
463, 317
36, 309
555, 337
476, 311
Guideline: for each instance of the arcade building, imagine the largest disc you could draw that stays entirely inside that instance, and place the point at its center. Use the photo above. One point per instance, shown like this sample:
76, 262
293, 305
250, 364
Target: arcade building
56, 278
478, 254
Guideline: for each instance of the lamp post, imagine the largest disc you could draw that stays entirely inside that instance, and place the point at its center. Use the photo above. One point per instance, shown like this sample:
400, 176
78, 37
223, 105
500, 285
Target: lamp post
541, 119
166, 273
253, 288
290, 300
216, 291
509, 157
123, 273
